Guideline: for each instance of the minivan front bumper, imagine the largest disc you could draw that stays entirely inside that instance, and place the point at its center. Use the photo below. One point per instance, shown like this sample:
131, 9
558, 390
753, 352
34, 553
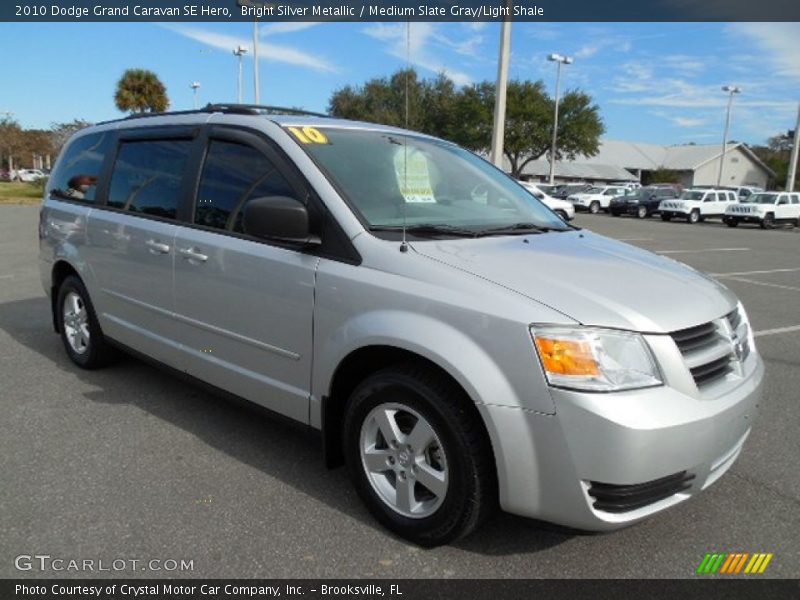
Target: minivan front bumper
551, 467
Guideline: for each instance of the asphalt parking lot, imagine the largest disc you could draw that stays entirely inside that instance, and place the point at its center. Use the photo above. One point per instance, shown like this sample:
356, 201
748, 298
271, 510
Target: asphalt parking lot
131, 463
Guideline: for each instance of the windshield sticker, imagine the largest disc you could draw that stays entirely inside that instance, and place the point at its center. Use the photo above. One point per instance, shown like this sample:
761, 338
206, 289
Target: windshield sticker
309, 135
413, 178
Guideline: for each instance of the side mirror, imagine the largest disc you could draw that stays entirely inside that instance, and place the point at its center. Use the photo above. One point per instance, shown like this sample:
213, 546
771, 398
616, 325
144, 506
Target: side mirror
278, 218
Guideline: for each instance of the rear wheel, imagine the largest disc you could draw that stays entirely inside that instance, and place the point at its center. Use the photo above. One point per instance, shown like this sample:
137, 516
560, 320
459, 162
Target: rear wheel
80, 332
417, 455
693, 217
768, 222
594, 207
641, 212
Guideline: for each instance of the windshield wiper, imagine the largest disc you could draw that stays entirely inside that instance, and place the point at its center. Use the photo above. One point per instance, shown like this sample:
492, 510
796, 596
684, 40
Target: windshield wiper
518, 228
424, 229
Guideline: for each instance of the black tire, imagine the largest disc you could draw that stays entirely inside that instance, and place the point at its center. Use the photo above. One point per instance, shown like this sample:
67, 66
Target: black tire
732, 222
97, 352
594, 207
666, 218
693, 217
563, 215
615, 213
796, 223
768, 222
471, 489
642, 212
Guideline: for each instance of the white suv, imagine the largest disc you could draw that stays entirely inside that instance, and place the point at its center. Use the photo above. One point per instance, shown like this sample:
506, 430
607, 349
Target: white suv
596, 198
562, 208
697, 205
766, 209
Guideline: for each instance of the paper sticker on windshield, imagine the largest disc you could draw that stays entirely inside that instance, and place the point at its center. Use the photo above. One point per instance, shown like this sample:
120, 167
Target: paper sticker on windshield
413, 178
309, 135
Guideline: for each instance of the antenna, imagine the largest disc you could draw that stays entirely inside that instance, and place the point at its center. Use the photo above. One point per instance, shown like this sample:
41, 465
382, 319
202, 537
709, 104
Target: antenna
404, 243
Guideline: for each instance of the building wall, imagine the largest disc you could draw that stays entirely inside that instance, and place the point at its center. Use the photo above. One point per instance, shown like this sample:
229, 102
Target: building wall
739, 169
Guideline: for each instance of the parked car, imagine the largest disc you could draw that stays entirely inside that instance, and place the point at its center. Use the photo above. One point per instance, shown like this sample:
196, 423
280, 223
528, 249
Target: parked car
631, 185
562, 208
548, 189
455, 344
566, 189
643, 202
596, 198
29, 175
697, 205
765, 208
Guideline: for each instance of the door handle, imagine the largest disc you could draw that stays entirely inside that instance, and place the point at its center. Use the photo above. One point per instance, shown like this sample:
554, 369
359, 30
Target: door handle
157, 247
192, 254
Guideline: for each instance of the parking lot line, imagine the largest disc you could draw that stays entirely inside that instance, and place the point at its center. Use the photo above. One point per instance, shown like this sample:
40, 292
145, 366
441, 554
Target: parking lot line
701, 250
765, 284
753, 272
776, 330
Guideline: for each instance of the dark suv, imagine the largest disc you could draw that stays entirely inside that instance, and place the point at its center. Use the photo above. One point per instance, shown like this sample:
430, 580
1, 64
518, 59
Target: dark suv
643, 202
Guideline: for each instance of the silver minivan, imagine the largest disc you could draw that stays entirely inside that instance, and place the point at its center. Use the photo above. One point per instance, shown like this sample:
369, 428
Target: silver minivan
455, 342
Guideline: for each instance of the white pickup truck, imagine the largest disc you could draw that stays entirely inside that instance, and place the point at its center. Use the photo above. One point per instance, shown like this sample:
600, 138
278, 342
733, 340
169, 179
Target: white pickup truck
766, 209
697, 205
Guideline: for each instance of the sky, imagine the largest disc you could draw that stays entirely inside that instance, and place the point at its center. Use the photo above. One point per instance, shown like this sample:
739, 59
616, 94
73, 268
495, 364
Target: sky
653, 82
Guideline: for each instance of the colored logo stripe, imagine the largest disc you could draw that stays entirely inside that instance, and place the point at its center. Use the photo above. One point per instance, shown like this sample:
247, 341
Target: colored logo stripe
732, 563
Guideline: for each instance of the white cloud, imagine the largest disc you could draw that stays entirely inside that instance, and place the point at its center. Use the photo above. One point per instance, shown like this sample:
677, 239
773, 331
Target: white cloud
268, 51
780, 43
414, 45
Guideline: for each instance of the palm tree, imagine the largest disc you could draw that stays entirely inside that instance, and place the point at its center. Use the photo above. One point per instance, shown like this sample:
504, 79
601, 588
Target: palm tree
140, 90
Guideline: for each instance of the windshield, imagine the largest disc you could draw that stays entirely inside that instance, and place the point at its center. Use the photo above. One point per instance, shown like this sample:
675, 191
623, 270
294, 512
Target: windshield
690, 195
595, 190
762, 198
391, 179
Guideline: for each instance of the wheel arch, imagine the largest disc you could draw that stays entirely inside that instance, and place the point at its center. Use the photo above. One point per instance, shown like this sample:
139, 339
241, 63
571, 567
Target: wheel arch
358, 365
60, 271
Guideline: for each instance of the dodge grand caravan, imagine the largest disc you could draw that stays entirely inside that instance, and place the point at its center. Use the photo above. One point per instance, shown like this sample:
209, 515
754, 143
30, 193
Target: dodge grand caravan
457, 345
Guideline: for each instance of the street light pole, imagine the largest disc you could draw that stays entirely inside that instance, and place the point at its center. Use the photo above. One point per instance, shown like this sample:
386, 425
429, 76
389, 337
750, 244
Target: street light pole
195, 85
255, 63
731, 89
240, 51
795, 155
560, 60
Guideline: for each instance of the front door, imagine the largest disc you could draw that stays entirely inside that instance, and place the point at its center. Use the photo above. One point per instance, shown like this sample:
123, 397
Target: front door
244, 307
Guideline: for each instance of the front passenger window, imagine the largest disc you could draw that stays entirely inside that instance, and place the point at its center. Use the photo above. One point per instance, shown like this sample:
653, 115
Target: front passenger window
232, 175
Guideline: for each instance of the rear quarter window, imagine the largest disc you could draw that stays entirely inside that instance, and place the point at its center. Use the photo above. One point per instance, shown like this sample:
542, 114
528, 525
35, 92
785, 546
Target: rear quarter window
78, 171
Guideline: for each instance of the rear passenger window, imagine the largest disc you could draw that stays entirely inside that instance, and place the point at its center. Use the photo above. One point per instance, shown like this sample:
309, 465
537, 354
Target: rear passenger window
147, 177
795, 198
78, 170
234, 174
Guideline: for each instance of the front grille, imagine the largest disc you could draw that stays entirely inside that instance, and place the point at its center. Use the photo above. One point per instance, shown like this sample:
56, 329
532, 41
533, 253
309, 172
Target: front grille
712, 371
708, 350
695, 338
614, 498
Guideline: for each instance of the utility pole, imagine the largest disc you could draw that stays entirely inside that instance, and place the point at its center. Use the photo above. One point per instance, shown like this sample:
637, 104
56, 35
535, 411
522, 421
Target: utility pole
195, 85
239, 51
255, 63
499, 123
795, 155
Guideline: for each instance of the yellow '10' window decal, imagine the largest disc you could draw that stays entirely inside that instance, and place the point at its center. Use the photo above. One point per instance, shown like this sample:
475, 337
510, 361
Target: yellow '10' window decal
309, 135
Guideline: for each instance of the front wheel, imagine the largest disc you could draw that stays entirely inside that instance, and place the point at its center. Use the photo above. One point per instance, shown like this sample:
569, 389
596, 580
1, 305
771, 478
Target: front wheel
563, 215
732, 222
615, 213
417, 455
594, 207
666, 218
693, 217
641, 212
80, 332
768, 222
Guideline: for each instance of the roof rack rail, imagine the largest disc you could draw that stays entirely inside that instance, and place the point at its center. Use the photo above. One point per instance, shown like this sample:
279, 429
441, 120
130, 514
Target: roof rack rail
259, 109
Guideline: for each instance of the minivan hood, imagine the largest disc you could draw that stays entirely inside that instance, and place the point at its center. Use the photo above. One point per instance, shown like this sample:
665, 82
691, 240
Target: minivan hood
591, 279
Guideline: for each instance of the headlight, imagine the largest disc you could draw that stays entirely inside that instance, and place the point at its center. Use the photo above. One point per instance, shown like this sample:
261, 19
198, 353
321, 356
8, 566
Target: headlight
751, 340
595, 360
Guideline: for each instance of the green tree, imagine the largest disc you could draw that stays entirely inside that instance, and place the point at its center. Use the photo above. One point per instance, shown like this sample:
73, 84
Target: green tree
465, 116
140, 90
